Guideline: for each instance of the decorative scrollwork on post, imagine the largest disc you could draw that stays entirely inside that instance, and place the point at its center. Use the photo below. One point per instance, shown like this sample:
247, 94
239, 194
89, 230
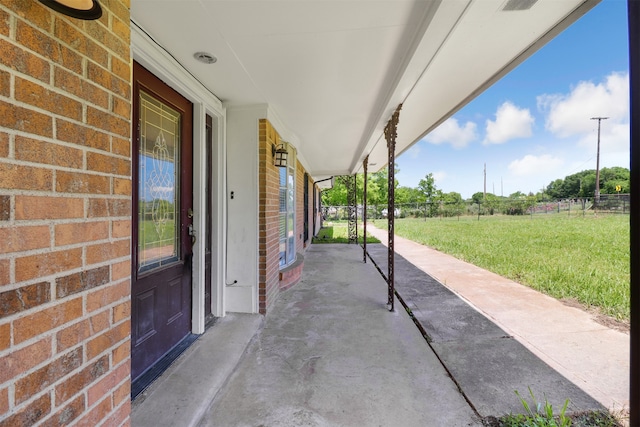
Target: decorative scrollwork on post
365, 165
353, 209
390, 134
349, 182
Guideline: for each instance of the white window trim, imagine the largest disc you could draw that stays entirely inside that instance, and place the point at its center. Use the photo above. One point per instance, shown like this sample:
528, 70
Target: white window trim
291, 169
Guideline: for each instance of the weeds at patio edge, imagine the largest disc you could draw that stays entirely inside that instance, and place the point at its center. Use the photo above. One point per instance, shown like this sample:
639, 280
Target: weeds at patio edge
541, 414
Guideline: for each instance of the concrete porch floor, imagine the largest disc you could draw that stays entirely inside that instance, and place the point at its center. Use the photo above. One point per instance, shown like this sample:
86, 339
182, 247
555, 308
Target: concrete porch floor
329, 353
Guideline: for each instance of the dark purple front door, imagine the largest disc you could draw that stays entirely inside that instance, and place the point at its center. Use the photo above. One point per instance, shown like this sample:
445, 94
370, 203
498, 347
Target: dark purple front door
162, 211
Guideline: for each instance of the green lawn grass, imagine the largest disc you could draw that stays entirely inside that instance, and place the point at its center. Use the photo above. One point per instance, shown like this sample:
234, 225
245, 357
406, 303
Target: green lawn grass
582, 258
149, 235
337, 232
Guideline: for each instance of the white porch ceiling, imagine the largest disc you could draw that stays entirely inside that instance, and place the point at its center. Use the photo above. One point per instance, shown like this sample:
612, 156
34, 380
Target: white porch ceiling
334, 71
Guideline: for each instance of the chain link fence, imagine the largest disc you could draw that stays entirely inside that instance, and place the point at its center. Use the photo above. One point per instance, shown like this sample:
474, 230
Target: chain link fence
607, 204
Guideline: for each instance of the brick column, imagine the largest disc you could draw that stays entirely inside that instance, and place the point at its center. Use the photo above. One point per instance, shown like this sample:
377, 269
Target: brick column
268, 221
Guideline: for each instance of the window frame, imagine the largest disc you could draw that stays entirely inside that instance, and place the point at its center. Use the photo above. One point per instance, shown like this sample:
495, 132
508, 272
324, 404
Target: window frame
287, 216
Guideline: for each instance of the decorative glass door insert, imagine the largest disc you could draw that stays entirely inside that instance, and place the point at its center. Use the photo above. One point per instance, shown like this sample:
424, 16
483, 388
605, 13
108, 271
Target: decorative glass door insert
159, 170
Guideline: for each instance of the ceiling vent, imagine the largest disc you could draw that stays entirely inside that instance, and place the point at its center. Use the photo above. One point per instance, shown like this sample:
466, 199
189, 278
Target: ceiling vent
516, 5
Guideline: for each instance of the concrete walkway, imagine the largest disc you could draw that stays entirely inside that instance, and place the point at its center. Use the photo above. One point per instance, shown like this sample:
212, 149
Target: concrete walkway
331, 354
328, 353
592, 356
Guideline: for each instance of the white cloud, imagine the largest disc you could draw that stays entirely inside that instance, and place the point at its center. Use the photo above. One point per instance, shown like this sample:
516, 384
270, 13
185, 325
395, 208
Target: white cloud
511, 122
439, 176
614, 138
450, 132
531, 165
569, 114
414, 152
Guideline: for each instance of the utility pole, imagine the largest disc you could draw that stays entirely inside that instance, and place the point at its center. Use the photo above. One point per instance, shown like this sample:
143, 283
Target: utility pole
484, 194
597, 192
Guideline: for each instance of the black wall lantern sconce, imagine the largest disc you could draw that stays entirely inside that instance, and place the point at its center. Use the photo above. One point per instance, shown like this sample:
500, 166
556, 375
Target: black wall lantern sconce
279, 154
80, 9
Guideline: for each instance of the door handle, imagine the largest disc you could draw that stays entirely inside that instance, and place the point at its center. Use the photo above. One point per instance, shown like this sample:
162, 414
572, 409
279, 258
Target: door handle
192, 233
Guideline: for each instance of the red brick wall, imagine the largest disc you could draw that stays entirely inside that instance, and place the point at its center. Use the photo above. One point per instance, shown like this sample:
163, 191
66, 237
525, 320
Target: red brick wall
269, 200
65, 216
268, 223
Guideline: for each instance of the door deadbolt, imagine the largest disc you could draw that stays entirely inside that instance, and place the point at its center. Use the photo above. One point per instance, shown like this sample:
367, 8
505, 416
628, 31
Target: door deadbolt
192, 233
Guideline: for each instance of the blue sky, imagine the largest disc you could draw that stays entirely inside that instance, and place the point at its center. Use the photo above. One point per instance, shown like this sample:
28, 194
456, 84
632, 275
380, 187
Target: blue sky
533, 126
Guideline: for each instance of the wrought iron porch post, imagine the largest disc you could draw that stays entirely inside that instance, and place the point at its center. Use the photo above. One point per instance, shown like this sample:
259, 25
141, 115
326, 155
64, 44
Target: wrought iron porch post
349, 182
390, 134
353, 211
633, 9
365, 164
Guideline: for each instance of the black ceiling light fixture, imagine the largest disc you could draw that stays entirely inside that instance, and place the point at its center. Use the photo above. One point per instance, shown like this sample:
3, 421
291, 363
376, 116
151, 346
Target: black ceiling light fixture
80, 9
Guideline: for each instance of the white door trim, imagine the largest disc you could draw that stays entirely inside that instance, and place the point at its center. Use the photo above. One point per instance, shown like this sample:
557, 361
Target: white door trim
153, 57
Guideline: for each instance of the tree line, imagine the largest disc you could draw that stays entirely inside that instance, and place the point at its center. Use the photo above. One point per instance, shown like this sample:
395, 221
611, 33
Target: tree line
583, 184
614, 180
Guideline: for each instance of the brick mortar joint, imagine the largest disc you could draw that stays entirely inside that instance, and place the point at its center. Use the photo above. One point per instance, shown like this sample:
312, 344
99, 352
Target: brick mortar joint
80, 245
12, 133
53, 223
83, 169
14, 223
56, 301
51, 279
89, 172
51, 86
109, 350
55, 354
52, 333
15, 103
66, 195
50, 34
